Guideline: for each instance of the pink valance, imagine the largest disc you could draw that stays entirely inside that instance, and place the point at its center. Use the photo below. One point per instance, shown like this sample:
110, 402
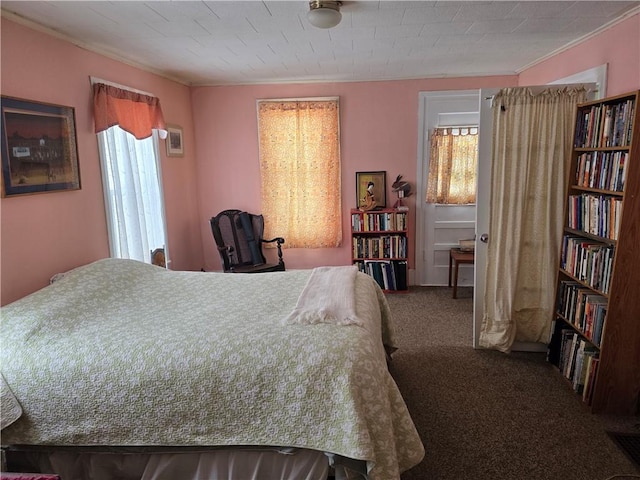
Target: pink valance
134, 112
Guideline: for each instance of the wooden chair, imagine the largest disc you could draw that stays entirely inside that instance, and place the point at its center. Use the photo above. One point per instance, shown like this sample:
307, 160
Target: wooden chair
238, 236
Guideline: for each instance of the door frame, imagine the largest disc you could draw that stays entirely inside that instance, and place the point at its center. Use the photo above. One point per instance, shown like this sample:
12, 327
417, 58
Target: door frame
483, 197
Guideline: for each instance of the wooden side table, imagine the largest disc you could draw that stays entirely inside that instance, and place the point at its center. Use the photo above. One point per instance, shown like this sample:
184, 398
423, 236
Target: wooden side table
456, 257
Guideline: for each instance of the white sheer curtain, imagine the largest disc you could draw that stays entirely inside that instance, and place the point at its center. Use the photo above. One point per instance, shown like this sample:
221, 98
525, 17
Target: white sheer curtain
531, 154
132, 185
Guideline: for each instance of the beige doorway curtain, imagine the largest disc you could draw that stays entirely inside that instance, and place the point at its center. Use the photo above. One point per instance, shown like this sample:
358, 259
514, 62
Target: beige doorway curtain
532, 137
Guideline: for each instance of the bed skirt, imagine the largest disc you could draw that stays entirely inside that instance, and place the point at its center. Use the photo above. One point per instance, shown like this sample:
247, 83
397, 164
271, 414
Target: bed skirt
148, 463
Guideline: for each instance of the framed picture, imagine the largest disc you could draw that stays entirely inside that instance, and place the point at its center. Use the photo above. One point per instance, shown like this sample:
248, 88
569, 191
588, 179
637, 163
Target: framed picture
371, 190
175, 147
39, 148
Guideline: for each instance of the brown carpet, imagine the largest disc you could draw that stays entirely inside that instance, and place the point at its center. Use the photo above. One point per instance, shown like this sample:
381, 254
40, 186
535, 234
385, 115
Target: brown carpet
487, 415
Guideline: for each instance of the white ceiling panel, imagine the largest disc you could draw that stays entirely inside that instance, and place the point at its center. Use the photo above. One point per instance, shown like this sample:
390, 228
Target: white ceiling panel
250, 42
426, 14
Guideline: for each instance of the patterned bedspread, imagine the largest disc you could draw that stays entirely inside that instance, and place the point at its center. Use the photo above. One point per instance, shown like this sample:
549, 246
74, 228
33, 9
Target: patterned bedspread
123, 353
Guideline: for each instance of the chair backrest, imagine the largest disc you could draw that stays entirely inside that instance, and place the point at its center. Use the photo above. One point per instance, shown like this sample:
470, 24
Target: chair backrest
229, 229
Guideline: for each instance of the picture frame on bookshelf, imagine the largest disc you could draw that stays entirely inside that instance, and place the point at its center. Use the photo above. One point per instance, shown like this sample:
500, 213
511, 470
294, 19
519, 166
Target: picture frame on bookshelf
39, 147
371, 187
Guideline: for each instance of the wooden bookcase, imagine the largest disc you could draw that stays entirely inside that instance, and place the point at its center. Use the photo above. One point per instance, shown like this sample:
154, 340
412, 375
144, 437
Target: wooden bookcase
379, 246
596, 335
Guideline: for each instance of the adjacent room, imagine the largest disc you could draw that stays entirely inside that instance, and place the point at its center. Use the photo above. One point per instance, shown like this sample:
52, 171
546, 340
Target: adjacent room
328, 239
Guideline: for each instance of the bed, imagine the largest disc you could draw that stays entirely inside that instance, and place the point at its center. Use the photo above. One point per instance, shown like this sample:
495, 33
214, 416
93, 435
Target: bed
119, 361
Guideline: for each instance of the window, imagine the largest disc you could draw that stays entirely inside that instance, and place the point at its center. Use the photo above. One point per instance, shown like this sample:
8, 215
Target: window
299, 144
128, 123
452, 166
133, 194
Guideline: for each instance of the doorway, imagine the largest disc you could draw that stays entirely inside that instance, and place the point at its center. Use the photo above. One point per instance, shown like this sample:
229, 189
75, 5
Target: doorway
439, 227
431, 249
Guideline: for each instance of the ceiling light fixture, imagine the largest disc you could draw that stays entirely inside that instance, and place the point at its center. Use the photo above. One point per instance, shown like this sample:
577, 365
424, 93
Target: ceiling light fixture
324, 14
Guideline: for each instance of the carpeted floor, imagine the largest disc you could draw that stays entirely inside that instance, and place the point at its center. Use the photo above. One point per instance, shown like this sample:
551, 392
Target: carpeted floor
487, 415
629, 443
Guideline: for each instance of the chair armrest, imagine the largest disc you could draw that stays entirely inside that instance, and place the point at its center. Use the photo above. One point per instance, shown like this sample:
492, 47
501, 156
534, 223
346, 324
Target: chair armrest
279, 241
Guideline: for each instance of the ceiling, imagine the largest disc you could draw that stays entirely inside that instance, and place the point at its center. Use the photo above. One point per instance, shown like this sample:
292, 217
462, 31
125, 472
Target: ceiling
251, 42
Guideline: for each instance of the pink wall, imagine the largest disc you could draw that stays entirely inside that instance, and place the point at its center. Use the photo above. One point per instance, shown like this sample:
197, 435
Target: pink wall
43, 234
379, 131
619, 47
49, 233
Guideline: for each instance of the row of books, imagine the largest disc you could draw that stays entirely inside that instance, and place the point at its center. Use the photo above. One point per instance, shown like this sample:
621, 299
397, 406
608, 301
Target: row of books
587, 260
389, 274
383, 246
595, 214
583, 308
605, 125
602, 170
378, 221
578, 363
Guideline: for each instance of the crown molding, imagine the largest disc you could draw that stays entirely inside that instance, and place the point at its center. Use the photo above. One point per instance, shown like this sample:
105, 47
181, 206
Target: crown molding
85, 46
578, 41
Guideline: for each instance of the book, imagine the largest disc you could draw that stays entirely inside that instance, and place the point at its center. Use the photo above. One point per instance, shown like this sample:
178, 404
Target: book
566, 336
580, 373
400, 267
568, 371
577, 370
590, 379
589, 353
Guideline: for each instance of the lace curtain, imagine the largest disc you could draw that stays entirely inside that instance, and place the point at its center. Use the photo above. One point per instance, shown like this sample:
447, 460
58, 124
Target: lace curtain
452, 166
300, 171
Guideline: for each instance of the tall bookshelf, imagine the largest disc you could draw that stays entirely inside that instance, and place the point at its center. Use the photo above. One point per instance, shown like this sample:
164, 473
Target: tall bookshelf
379, 246
596, 336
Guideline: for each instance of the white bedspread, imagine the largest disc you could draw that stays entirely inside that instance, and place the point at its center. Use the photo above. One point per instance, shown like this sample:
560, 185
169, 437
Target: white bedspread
123, 353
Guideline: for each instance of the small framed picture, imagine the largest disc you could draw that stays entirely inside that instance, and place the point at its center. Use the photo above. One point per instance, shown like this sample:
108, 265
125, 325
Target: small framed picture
39, 148
371, 189
175, 146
